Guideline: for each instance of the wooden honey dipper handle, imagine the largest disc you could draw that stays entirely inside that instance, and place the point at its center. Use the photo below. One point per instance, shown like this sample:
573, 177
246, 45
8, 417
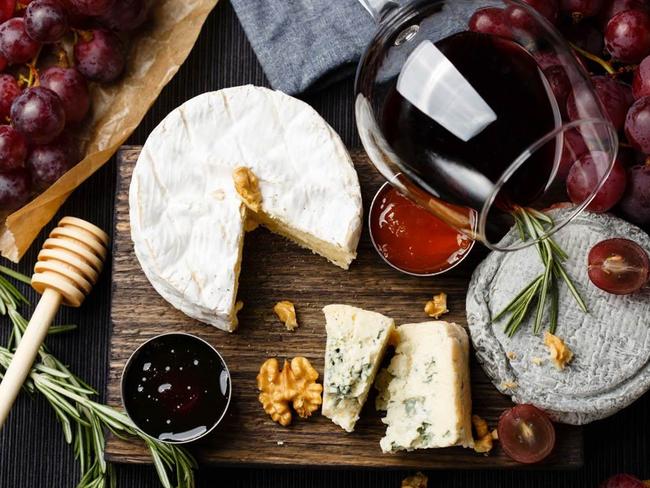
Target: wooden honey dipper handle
66, 270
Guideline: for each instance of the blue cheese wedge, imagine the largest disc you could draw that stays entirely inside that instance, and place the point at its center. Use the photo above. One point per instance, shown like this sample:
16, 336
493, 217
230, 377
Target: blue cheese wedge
356, 342
426, 389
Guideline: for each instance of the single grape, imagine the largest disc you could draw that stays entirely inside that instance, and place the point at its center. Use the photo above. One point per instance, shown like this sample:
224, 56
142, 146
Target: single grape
7, 8
581, 8
548, 8
616, 6
125, 15
46, 20
47, 164
615, 96
75, 18
641, 81
573, 147
38, 114
637, 125
584, 35
72, 89
490, 20
15, 45
526, 434
14, 189
91, 7
9, 90
101, 57
618, 266
623, 481
13, 148
585, 175
560, 84
627, 36
635, 204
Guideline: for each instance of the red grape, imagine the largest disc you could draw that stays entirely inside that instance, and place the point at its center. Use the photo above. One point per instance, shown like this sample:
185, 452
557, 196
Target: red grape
560, 84
614, 95
14, 189
618, 266
46, 20
641, 81
548, 8
616, 6
100, 58
7, 8
526, 434
72, 89
125, 15
38, 114
13, 148
91, 7
9, 90
574, 146
635, 204
15, 45
47, 164
581, 8
622, 481
627, 36
490, 20
585, 175
637, 125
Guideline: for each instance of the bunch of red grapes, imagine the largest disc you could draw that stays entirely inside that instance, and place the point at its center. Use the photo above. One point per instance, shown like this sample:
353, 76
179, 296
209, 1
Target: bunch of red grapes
50, 50
611, 39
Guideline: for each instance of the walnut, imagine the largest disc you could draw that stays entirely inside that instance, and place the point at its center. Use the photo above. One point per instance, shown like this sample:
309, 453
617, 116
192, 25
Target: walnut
295, 383
484, 440
561, 355
437, 306
248, 187
418, 480
286, 312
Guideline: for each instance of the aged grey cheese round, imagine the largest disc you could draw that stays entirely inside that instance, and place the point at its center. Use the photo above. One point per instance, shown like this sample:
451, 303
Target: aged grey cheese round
611, 343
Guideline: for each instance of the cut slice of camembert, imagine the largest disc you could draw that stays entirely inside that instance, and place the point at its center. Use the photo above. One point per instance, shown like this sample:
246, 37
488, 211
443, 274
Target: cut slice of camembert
426, 389
189, 217
356, 342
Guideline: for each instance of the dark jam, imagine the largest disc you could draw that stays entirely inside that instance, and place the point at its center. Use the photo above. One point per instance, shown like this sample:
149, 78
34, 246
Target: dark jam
411, 238
176, 388
509, 80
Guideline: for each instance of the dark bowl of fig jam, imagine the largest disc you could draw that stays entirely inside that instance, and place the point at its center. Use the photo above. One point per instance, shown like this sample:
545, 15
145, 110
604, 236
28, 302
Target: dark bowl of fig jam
176, 388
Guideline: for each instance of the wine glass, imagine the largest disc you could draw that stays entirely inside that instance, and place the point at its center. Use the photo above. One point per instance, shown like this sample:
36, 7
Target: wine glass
462, 106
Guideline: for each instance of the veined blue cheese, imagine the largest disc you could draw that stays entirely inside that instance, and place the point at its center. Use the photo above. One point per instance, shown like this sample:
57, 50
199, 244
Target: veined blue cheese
356, 342
426, 389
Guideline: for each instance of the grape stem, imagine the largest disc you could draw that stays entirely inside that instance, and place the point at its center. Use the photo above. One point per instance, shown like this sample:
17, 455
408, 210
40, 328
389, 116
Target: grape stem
596, 59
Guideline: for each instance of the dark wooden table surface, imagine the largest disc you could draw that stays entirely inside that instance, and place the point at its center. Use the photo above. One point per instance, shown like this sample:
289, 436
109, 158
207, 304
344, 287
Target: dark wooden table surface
32, 451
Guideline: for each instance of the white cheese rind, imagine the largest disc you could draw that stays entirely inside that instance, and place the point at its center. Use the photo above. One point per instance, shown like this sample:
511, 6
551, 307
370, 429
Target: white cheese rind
187, 220
356, 343
426, 389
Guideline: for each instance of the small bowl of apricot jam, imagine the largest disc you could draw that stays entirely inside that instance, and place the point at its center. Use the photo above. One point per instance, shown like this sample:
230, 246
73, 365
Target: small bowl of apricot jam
176, 388
411, 239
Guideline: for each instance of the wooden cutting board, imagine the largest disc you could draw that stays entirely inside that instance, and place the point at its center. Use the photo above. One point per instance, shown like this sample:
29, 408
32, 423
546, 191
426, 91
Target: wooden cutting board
275, 269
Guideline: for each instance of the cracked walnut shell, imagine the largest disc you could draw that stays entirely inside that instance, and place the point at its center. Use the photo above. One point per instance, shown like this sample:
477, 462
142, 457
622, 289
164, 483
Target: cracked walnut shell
286, 312
248, 188
294, 384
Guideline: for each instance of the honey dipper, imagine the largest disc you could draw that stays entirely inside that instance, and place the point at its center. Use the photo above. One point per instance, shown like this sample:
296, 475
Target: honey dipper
66, 270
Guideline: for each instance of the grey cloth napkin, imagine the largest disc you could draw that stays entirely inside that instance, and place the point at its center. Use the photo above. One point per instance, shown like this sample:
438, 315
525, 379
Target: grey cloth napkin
302, 42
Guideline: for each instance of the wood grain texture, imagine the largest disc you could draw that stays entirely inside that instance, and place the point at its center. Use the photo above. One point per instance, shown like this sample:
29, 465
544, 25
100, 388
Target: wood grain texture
275, 269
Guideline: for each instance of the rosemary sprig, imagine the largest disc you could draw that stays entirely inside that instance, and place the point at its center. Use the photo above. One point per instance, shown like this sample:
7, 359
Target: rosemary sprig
84, 420
534, 224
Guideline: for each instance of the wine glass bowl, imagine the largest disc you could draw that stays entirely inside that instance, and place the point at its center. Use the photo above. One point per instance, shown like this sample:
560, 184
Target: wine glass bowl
462, 106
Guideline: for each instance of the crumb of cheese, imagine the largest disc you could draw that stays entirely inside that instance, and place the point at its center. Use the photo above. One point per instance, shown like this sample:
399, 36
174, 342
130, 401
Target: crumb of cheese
418, 480
286, 312
560, 353
437, 306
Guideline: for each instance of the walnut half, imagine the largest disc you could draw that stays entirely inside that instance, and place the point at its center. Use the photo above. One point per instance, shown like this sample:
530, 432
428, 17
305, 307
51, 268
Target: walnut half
286, 312
418, 480
561, 355
437, 306
248, 187
294, 384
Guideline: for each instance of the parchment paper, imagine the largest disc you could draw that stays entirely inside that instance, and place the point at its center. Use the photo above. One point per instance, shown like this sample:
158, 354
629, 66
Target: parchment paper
155, 54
